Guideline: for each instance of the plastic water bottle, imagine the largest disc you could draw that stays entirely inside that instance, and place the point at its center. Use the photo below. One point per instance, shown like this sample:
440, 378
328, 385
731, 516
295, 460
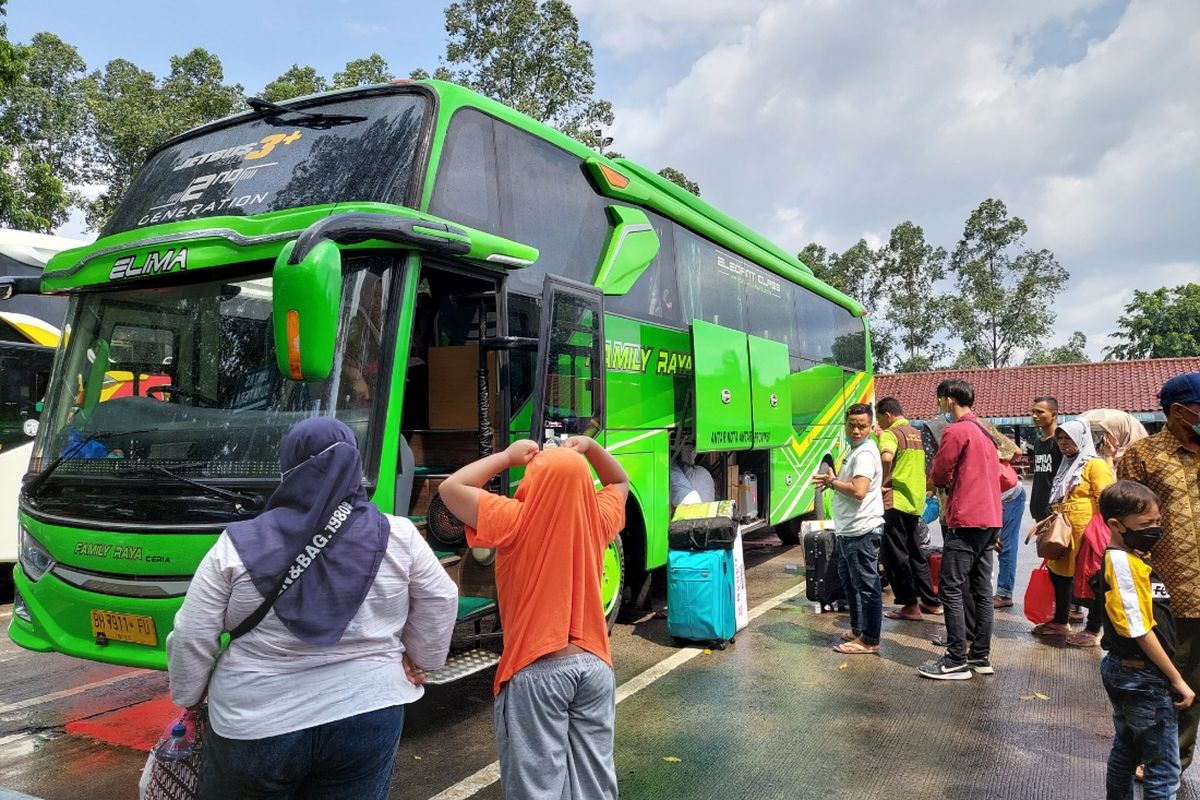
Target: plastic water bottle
177, 747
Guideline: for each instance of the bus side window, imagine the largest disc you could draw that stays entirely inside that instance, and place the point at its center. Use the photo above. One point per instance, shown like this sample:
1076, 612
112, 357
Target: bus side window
465, 190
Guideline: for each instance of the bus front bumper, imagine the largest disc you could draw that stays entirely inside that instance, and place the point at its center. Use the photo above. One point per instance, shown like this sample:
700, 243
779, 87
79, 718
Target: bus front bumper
60, 620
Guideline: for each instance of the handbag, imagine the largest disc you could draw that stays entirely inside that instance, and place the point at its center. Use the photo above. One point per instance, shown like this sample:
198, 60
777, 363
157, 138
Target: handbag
180, 779
1039, 596
1090, 559
1053, 536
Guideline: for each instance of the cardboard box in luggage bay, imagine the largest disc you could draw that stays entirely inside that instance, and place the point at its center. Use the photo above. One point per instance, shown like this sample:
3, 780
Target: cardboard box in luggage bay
706, 526
454, 388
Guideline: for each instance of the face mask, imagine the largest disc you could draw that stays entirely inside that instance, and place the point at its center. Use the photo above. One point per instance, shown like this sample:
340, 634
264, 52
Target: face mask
1195, 425
1144, 540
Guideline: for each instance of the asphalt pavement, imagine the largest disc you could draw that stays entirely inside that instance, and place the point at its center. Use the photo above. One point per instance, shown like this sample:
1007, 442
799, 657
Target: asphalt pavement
778, 714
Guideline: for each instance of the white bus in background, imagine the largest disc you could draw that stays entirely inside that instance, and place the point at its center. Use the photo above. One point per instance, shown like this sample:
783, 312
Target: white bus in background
29, 333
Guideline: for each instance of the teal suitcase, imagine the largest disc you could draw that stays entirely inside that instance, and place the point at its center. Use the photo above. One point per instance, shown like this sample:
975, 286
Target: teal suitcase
700, 596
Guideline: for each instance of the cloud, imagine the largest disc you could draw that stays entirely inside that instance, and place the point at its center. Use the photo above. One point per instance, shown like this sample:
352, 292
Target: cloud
812, 119
364, 28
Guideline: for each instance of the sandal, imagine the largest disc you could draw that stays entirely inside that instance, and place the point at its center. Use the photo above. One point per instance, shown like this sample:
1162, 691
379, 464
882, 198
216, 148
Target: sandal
1050, 629
1000, 601
849, 636
1083, 639
893, 613
931, 609
857, 649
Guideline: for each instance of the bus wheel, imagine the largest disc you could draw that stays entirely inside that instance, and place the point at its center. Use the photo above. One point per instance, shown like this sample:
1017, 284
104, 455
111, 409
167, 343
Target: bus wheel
788, 531
613, 581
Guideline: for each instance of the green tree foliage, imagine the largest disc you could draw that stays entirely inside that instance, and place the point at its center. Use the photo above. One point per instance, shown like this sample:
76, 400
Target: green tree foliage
528, 55
1005, 293
440, 74
1073, 352
135, 112
296, 82
678, 178
43, 127
10, 56
909, 266
1164, 323
32, 198
363, 72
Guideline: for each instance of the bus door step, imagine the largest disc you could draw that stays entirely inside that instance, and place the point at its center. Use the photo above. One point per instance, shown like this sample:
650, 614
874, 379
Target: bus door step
463, 663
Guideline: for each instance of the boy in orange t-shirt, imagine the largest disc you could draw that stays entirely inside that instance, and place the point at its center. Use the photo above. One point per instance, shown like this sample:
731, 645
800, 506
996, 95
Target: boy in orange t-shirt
555, 689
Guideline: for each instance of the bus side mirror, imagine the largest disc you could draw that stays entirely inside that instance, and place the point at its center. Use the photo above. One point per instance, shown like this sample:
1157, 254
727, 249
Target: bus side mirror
631, 247
305, 300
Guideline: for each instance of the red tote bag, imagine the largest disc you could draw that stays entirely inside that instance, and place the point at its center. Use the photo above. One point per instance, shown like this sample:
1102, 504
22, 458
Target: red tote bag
1039, 596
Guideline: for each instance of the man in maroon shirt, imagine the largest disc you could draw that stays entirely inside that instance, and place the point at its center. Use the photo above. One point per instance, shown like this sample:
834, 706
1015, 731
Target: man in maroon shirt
967, 466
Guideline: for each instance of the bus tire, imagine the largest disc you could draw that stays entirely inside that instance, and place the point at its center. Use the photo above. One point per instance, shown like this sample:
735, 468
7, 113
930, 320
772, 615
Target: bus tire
614, 558
788, 531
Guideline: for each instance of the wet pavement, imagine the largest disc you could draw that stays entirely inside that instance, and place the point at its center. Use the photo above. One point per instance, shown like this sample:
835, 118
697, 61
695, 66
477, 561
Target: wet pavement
776, 715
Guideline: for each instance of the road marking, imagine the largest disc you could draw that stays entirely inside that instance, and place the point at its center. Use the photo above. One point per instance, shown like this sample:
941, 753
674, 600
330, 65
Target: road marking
87, 687
473, 784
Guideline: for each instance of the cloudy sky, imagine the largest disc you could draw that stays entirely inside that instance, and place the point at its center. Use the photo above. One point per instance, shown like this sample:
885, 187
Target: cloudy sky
817, 120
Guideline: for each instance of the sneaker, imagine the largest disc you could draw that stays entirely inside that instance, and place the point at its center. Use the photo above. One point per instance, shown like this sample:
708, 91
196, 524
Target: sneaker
945, 670
981, 666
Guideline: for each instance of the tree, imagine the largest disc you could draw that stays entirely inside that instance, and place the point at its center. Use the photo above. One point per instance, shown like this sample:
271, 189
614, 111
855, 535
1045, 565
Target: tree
1164, 323
439, 74
135, 112
296, 82
1006, 293
528, 55
363, 72
44, 127
1073, 352
910, 266
10, 57
678, 178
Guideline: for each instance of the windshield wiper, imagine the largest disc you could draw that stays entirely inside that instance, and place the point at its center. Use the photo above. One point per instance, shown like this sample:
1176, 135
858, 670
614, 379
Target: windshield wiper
34, 484
311, 119
244, 503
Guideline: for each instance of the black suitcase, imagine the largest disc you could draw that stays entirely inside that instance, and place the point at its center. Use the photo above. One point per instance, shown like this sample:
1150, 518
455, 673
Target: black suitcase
822, 583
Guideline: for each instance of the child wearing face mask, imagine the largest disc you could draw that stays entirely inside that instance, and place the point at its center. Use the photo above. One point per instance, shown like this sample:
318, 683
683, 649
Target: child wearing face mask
1139, 634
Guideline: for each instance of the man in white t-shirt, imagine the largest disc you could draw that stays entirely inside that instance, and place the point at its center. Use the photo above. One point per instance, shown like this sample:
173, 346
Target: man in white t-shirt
858, 518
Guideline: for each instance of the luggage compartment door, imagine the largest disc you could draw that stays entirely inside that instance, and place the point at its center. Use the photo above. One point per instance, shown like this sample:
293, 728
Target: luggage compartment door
770, 392
723, 396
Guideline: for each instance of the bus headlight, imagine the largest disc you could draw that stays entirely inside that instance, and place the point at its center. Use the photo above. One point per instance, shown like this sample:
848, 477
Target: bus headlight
35, 559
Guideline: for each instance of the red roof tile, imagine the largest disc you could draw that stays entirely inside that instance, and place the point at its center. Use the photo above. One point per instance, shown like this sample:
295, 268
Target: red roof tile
1007, 392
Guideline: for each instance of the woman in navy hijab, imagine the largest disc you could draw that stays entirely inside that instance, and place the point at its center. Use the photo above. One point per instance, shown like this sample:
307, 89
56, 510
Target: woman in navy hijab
310, 702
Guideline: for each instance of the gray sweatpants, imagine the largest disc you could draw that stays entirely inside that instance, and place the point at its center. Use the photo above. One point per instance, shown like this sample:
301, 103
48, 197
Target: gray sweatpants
554, 730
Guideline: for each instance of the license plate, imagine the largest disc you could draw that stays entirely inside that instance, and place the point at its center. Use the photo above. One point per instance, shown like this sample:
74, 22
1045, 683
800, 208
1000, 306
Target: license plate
124, 627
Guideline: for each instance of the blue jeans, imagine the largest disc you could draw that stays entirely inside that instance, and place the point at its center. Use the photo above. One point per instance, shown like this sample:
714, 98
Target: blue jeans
1010, 535
1146, 728
347, 759
858, 567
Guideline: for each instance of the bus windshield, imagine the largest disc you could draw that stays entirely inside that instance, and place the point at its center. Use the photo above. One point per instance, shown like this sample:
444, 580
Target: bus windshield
279, 161
184, 378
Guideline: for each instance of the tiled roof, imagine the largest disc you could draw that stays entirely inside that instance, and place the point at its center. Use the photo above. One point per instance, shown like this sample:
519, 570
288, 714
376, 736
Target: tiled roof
1007, 392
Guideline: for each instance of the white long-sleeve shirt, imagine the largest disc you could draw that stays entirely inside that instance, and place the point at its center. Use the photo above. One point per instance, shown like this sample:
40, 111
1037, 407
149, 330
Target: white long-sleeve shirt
269, 682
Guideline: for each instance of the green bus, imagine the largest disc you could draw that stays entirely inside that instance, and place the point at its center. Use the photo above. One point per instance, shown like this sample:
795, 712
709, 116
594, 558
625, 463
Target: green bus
443, 274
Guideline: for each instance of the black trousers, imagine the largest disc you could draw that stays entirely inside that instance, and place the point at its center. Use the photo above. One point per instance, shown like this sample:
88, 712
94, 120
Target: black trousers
907, 567
965, 586
1064, 589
